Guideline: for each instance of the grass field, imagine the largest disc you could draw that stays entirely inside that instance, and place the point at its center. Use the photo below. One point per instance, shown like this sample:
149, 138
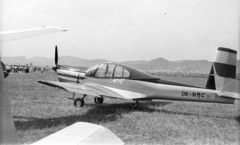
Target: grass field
39, 110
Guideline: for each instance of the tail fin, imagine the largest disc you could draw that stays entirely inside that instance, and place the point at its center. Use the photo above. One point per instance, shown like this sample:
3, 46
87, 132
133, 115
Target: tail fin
8, 134
223, 71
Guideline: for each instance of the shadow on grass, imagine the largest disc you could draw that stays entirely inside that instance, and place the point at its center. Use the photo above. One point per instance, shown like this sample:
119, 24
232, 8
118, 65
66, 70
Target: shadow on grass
238, 119
97, 114
196, 114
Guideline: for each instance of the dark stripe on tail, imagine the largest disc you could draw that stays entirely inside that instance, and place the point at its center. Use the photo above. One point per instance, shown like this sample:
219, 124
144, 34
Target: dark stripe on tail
227, 50
225, 70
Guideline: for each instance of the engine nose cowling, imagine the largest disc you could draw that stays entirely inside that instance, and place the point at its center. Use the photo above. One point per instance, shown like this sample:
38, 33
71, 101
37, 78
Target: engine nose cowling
69, 74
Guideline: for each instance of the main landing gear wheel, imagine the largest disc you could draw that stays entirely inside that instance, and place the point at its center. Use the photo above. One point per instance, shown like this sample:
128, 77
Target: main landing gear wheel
134, 105
98, 100
78, 102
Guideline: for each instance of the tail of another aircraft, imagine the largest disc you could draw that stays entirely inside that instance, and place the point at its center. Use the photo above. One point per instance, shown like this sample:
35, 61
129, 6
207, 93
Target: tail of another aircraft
8, 134
223, 71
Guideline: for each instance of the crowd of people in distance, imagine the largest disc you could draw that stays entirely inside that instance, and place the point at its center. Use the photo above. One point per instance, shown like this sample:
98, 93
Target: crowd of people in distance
24, 68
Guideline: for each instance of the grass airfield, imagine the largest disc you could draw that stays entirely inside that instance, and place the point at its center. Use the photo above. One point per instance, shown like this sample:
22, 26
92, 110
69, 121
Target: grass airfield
39, 111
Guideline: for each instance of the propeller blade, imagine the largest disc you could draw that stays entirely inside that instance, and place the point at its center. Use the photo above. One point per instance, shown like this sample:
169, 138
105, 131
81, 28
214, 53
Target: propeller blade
56, 55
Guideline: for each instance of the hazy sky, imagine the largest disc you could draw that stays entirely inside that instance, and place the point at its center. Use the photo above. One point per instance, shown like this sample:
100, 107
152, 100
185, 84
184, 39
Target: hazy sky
121, 30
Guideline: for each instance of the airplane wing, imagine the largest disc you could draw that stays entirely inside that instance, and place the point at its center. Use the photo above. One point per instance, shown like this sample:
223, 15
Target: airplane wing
20, 34
82, 133
92, 89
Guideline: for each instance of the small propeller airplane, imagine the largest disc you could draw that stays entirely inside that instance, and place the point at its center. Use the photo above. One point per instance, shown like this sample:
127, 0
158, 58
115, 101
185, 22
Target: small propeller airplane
120, 81
76, 134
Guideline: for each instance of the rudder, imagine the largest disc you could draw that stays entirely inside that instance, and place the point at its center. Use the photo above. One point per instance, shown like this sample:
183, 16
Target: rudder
223, 70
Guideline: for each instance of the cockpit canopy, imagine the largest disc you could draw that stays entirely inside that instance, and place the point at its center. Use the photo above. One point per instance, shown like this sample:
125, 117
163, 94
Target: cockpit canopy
115, 70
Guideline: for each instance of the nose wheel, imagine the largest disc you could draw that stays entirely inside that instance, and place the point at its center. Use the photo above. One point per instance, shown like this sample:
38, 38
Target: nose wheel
79, 102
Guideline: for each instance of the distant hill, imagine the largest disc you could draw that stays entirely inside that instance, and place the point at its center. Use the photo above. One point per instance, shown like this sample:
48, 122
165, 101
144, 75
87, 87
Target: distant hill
43, 61
158, 64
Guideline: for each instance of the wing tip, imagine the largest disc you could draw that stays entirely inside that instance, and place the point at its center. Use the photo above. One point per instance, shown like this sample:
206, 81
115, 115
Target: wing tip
82, 133
53, 27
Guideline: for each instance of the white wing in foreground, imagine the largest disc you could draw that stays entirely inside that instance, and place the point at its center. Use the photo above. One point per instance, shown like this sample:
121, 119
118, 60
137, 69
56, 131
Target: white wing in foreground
82, 133
20, 34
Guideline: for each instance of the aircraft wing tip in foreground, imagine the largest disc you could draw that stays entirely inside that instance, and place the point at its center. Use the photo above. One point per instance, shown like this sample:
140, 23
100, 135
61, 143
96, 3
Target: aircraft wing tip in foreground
81, 133
25, 33
59, 28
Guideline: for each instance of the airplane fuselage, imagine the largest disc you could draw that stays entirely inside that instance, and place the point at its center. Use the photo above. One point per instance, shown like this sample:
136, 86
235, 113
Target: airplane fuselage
139, 89
143, 90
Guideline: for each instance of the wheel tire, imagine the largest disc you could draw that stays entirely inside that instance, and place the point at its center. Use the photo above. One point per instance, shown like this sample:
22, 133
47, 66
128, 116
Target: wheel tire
78, 102
98, 100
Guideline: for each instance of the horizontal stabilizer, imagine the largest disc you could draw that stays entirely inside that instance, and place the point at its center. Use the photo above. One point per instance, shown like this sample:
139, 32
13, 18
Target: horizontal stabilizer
228, 94
82, 133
